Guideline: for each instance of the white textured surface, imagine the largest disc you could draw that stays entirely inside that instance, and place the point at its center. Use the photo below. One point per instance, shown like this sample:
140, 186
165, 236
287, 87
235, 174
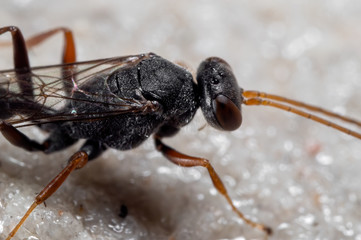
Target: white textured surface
300, 178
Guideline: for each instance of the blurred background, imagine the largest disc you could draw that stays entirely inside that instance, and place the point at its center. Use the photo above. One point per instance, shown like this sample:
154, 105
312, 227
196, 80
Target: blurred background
298, 177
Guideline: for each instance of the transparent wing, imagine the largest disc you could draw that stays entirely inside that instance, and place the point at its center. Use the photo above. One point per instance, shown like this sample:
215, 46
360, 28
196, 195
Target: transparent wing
53, 88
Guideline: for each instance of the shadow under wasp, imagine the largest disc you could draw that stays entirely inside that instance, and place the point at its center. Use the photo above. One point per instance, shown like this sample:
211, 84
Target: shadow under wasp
119, 102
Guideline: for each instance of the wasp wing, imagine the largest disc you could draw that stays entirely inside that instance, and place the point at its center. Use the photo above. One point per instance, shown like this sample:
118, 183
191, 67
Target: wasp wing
52, 88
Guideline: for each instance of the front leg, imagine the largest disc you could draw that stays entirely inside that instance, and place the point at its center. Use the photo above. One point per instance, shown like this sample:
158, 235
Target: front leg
189, 161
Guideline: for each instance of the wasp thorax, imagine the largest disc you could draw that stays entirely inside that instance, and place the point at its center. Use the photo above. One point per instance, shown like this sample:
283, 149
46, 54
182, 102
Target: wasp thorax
220, 95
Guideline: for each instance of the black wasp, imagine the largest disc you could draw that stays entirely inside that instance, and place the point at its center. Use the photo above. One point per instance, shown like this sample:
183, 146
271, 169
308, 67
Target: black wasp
119, 102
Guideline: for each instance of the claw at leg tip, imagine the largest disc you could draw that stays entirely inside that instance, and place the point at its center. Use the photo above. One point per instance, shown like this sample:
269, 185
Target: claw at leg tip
267, 230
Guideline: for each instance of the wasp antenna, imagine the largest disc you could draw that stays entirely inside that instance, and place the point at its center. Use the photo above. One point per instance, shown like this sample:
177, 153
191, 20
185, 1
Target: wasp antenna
260, 101
262, 95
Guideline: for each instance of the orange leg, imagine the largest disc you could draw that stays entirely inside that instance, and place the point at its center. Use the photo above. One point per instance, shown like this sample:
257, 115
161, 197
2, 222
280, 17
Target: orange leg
21, 58
68, 54
78, 160
189, 161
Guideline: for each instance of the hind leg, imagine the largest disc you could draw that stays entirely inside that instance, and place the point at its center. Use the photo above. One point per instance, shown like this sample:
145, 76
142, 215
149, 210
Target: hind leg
21, 58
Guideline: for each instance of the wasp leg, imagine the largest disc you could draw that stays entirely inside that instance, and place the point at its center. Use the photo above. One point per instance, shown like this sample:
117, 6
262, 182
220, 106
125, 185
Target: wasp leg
90, 150
69, 54
21, 60
78, 160
19, 139
189, 161
57, 140
93, 148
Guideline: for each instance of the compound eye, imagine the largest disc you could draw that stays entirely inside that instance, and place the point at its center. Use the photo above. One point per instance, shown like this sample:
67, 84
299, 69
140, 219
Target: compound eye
220, 95
227, 114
